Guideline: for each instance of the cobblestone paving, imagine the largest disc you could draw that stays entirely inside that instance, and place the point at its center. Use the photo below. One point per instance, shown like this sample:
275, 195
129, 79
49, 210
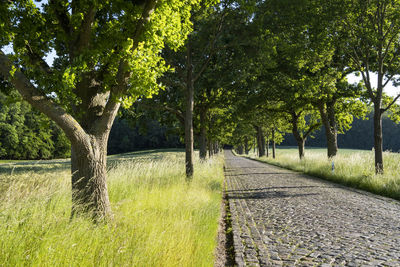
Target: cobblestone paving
283, 218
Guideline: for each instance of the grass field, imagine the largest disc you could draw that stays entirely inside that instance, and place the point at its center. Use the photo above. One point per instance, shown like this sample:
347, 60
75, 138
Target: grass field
160, 220
351, 167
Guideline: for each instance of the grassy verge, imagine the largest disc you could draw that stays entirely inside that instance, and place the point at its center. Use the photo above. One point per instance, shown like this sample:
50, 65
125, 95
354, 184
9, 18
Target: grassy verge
353, 168
160, 220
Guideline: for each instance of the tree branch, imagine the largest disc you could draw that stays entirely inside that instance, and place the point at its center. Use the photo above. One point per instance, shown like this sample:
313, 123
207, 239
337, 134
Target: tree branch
311, 129
83, 39
105, 122
37, 60
179, 115
39, 100
212, 49
391, 103
388, 80
148, 9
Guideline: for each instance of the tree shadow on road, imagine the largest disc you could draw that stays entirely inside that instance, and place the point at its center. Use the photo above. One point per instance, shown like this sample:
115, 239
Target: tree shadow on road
264, 193
260, 173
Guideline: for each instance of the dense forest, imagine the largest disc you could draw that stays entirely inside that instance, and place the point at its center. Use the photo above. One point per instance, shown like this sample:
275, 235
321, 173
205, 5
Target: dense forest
358, 137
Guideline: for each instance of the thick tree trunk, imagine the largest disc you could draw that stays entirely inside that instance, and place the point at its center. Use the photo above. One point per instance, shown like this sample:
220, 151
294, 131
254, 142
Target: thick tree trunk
89, 125
203, 135
329, 122
189, 115
273, 143
89, 187
378, 139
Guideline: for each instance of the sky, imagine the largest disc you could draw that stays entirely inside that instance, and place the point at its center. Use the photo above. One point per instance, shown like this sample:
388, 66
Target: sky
389, 89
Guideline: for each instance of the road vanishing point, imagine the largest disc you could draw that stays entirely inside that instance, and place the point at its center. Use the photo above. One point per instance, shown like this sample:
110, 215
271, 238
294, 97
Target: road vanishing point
285, 218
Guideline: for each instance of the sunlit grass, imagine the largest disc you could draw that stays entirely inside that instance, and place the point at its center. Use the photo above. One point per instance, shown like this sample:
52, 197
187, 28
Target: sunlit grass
159, 219
351, 167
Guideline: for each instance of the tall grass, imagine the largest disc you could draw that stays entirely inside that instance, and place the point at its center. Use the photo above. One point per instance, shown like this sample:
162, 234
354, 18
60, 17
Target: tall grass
159, 219
351, 167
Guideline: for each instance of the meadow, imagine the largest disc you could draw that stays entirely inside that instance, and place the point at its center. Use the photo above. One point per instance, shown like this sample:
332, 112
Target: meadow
353, 168
159, 218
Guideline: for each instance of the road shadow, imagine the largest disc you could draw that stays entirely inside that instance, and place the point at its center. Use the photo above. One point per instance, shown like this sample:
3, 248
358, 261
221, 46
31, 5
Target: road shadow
259, 173
256, 194
274, 188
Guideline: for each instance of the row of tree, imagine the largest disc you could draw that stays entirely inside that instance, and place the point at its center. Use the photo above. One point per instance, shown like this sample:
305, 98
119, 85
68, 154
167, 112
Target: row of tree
360, 136
228, 71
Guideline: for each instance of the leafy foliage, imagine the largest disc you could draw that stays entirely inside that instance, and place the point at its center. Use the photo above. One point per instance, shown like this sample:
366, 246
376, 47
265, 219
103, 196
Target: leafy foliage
27, 134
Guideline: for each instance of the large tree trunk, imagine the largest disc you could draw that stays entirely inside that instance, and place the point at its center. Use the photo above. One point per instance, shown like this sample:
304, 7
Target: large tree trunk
89, 187
88, 136
189, 115
329, 121
378, 139
203, 135
89, 125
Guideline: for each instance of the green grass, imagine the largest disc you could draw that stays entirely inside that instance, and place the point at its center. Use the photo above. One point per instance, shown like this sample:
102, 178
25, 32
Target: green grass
159, 219
354, 168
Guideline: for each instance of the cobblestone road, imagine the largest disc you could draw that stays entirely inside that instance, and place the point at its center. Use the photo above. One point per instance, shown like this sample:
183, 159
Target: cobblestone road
283, 218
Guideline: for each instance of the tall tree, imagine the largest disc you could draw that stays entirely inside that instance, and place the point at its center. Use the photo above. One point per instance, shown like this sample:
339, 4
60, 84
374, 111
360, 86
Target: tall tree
373, 31
107, 53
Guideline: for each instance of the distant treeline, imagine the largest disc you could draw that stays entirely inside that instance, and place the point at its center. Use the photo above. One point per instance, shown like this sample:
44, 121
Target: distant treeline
127, 136
360, 136
27, 134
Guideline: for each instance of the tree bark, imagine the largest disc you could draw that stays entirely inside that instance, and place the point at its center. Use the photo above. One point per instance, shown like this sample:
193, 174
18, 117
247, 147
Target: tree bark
301, 145
216, 147
240, 149
260, 141
89, 125
273, 143
88, 138
267, 147
299, 139
329, 122
246, 145
378, 138
189, 114
89, 187
203, 135
210, 150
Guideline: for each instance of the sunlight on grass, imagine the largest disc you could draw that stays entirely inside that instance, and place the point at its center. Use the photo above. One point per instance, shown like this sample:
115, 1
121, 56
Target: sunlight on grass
352, 167
160, 220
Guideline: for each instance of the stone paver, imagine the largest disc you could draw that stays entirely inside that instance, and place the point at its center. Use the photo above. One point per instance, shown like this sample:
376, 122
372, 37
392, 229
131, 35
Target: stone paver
283, 218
